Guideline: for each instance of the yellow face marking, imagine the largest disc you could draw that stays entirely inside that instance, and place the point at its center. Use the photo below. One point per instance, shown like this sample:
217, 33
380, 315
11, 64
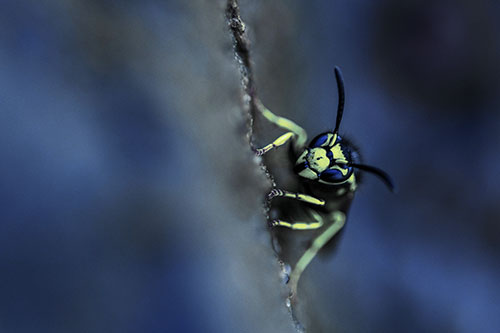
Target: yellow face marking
337, 152
318, 160
308, 173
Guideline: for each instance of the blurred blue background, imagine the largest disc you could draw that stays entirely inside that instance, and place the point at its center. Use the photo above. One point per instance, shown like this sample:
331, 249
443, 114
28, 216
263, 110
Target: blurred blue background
130, 202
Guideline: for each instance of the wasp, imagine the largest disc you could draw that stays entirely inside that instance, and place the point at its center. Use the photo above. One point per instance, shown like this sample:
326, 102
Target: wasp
328, 171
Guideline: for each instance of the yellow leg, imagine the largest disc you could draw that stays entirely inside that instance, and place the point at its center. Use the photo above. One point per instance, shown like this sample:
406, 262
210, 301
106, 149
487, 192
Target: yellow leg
298, 196
300, 133
338, 223
318, 223
297, 225
276, 143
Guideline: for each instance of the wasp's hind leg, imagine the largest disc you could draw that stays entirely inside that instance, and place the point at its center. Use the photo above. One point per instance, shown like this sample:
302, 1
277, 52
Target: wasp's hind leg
338, 220
298, 196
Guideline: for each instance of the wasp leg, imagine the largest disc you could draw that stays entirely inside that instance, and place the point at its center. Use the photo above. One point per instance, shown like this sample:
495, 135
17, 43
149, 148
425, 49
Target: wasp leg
300, 133
298, 196
297, 225
276, 143
338, 223
318, 223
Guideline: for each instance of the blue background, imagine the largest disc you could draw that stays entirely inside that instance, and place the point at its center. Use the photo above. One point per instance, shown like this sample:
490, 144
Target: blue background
128, 196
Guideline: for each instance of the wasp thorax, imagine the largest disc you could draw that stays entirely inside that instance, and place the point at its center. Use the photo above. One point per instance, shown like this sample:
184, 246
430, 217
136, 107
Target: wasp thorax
317, 159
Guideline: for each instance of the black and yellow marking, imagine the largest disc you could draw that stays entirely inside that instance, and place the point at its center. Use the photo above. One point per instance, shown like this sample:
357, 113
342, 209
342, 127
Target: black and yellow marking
316, 224
298, 196
297, 225
276, 143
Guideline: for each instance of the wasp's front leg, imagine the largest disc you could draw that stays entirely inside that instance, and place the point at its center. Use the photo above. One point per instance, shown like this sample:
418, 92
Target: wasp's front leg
301, 135
276, 143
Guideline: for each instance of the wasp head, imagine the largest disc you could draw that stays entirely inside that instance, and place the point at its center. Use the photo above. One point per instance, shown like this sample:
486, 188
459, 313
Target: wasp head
330, 160
325, 160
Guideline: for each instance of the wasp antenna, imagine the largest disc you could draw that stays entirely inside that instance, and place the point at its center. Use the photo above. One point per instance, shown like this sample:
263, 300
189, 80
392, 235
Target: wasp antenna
340, 109
379, 173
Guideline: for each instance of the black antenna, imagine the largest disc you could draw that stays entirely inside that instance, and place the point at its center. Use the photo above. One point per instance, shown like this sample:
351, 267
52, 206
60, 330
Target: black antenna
340, 109
378, 172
